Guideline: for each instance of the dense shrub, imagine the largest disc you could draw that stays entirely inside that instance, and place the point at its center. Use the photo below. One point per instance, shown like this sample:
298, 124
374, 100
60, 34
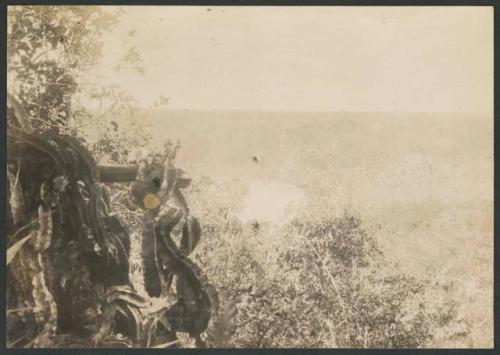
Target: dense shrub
320, 283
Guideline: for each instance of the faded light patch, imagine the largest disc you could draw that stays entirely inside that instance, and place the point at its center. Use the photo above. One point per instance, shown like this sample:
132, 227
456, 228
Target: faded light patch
270, 201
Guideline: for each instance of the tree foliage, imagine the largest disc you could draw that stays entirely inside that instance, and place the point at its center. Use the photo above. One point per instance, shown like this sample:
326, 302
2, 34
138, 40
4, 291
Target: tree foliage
49, 50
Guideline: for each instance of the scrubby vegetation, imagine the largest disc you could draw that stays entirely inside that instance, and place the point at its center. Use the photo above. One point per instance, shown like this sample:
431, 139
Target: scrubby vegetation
320, 283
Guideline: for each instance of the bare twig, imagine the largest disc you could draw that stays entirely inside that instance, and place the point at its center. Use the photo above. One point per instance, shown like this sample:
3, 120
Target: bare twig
165, 345
333, 283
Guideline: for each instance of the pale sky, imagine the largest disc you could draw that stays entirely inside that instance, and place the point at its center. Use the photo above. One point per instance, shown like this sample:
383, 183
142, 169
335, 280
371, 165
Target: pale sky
414, 59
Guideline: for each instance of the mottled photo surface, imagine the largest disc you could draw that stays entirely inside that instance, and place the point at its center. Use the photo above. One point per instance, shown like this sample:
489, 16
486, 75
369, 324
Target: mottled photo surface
249, 177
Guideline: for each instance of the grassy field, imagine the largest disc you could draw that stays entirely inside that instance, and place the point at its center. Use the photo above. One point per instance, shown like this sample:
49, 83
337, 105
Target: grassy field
422, 184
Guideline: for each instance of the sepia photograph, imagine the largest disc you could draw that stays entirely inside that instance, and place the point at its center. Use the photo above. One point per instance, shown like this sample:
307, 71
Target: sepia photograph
249, 177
